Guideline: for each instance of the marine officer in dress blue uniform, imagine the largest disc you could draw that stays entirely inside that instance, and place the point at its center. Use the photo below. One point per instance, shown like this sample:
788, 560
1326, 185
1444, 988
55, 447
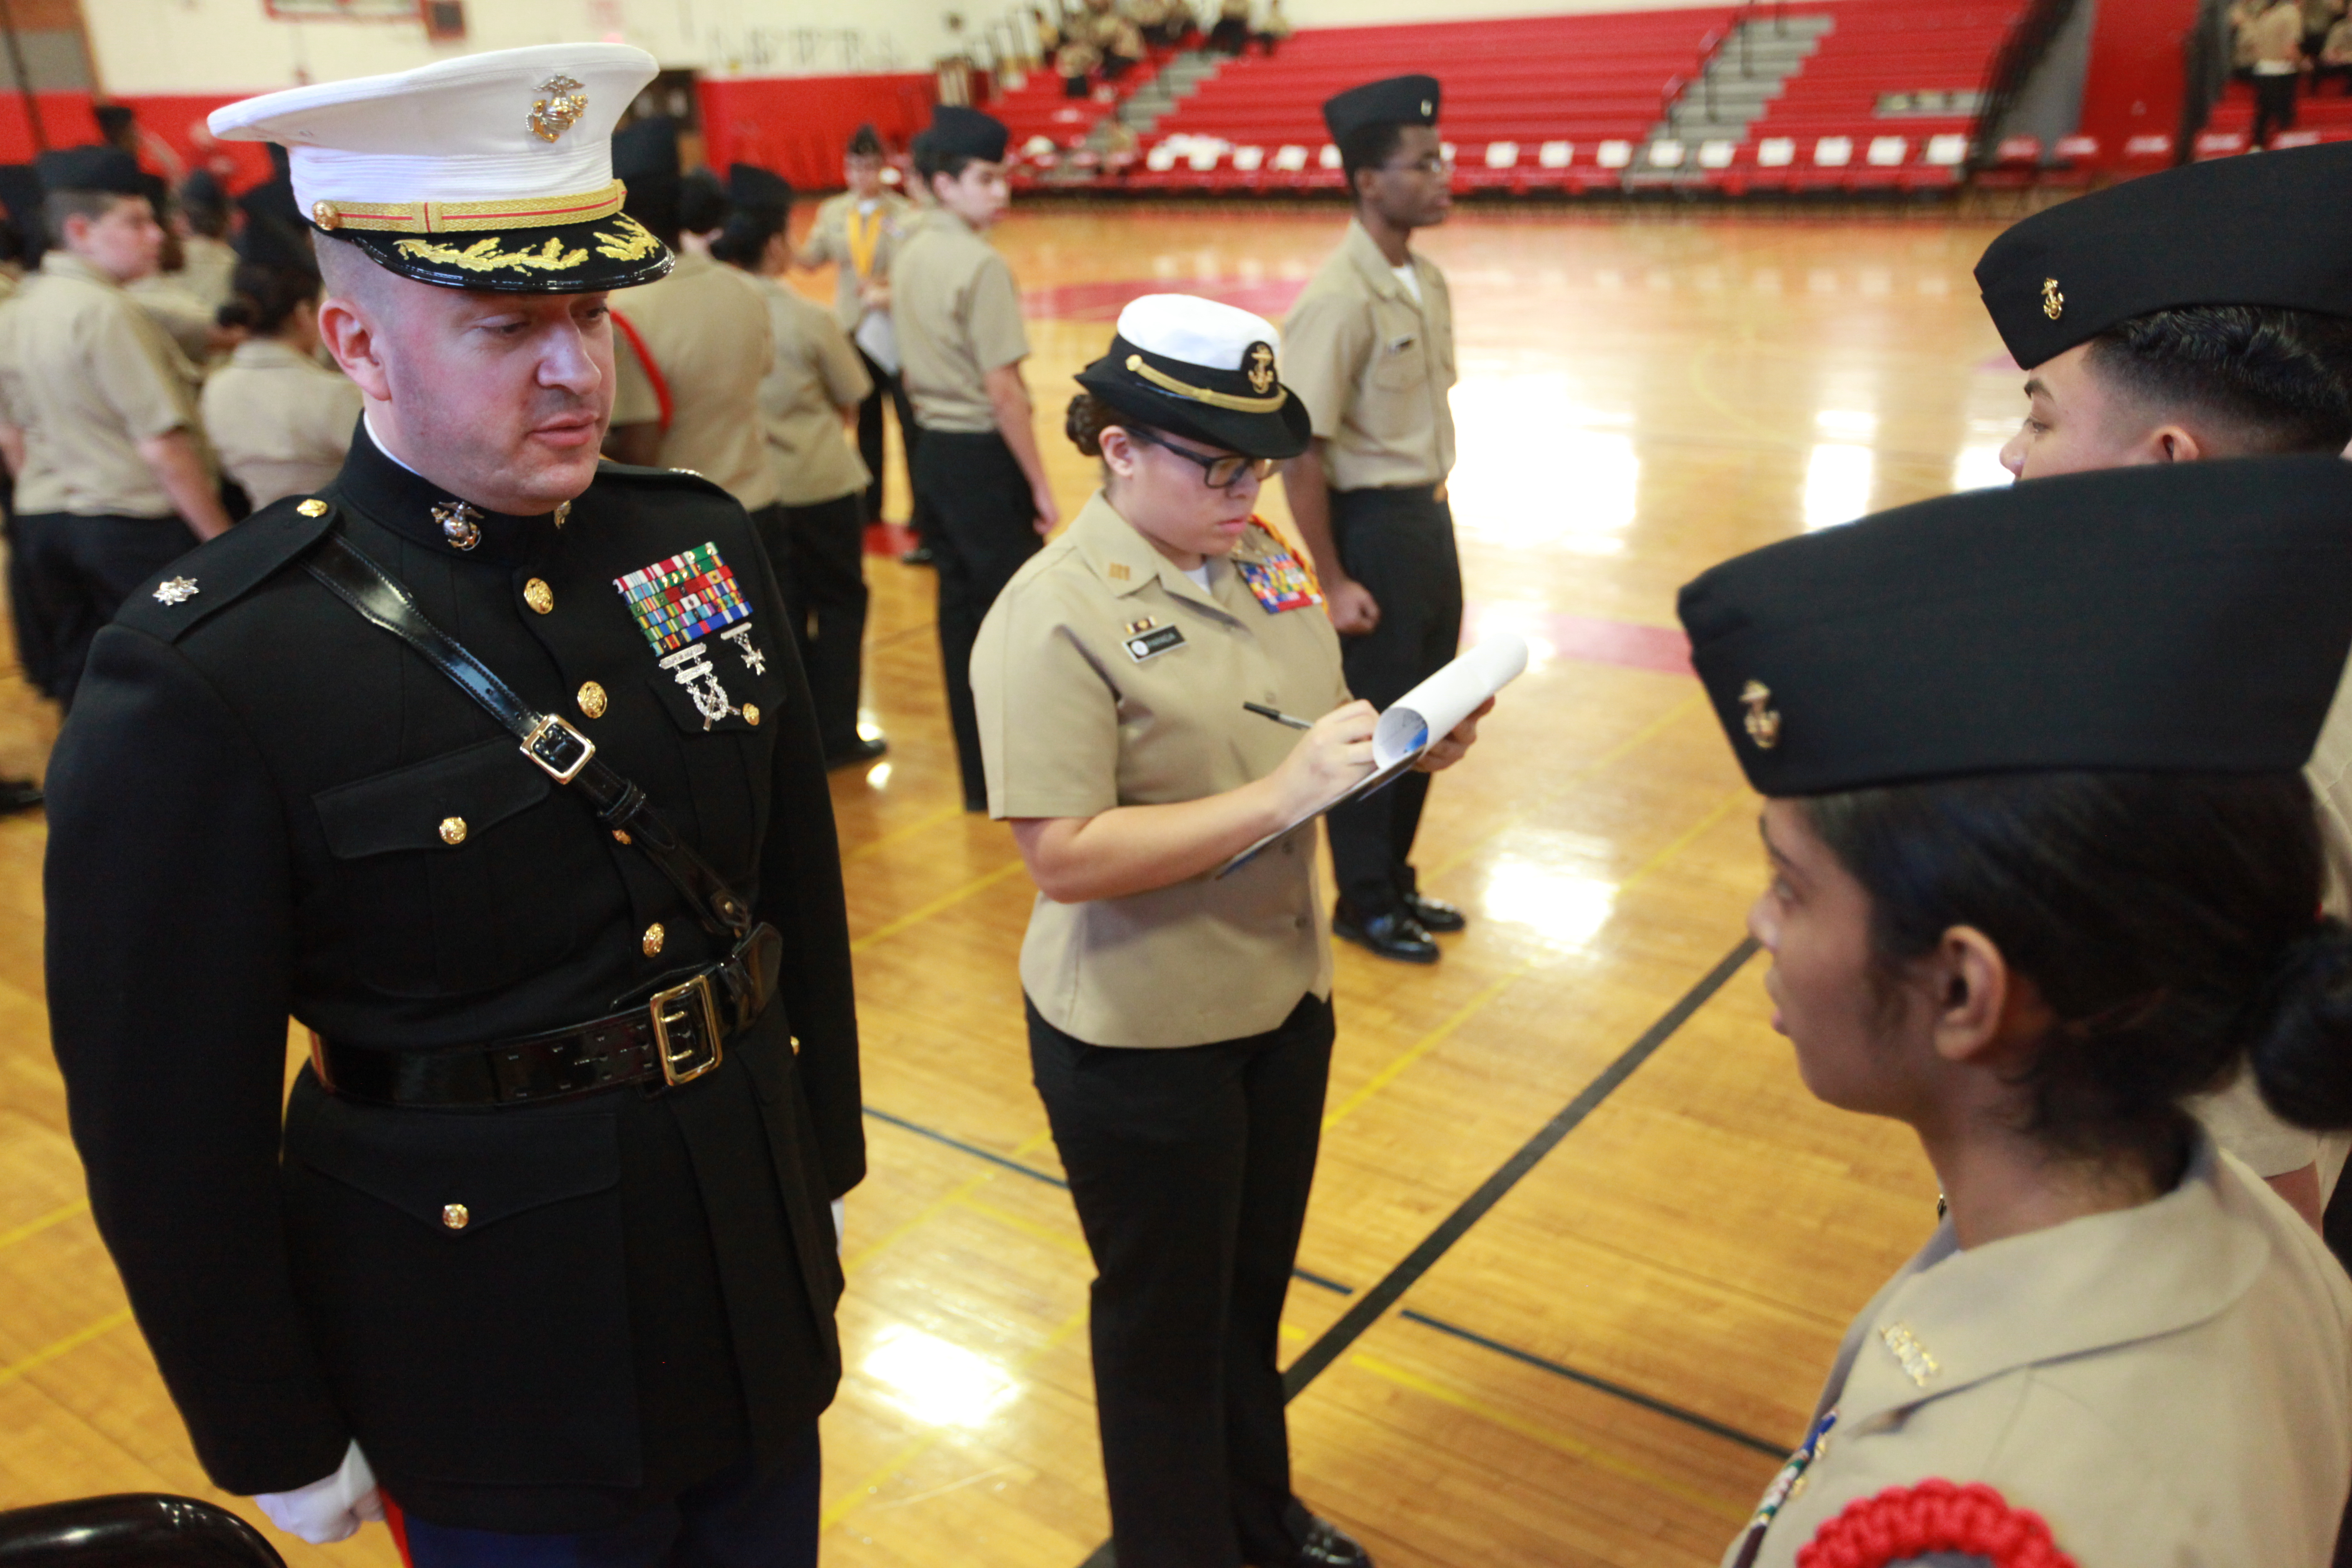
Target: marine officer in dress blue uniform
495, 768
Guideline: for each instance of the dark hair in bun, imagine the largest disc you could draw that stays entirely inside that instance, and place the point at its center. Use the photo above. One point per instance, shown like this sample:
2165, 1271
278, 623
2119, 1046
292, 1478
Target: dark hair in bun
1089, 417
744, 241
2169, 921
262, 296
702, 203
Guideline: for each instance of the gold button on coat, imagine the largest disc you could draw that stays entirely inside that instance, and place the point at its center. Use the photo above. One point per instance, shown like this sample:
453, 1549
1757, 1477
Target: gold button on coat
455, 1216
591, 699
453, 830
538, 596
751, 714
654, 937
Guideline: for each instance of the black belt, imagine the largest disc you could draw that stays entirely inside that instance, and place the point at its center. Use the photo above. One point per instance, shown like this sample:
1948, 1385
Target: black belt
677, 1037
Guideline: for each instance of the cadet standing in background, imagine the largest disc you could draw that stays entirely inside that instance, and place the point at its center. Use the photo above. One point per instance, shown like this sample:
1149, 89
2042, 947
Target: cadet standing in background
857, 232
958, 315
1368, 348
280, 421
207, 260
112, 478
816, 381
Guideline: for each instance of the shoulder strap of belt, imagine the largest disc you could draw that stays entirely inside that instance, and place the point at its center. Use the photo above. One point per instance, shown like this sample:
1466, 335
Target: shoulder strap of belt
568, 756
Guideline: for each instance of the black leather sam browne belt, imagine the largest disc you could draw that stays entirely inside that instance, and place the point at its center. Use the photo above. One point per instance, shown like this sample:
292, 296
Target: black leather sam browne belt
679, 1034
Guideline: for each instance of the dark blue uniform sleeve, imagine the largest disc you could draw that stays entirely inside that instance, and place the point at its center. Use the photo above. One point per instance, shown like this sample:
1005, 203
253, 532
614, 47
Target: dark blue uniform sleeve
170, 945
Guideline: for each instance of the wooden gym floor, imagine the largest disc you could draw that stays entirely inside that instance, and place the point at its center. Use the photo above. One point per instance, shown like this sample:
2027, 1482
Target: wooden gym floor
1599, 1362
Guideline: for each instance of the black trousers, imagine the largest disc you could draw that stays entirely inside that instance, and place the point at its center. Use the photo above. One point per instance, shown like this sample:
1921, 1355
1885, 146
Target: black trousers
983, 529
887, 388
2274, 107
78, 571
819, 553
1189, 1169
1399, 543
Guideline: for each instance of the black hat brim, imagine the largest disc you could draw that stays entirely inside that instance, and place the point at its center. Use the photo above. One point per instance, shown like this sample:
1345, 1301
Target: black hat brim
614, 252
1280, 435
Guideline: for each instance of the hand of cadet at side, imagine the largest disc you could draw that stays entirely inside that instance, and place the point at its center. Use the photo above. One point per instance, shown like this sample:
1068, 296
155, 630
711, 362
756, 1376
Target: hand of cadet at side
1329, 758
1456, 745
329, 1509
1048, 511
1352, 607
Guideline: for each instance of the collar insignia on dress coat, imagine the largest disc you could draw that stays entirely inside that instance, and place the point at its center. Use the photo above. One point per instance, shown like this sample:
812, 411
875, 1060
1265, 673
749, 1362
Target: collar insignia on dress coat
560, 110
1917, 1364
563, 513
175, 590
461, 525
678, 603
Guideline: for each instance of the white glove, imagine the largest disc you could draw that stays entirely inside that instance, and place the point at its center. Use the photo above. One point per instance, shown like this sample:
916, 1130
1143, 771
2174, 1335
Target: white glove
837, 1222
331, 1510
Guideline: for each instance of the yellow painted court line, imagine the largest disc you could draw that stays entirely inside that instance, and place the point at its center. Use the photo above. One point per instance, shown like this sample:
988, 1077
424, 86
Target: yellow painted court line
1576, 1448
56, 1216
944, 901
1493, 988
930, 1211
920, 824
74, 1340
1025, 1226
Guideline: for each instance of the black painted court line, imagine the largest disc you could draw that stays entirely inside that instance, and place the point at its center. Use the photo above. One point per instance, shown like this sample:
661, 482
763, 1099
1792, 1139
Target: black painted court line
1601, 1384
974, 1150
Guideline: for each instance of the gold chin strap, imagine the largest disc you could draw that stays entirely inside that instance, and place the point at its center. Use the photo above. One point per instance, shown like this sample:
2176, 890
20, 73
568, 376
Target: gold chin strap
1166, 383
454, 217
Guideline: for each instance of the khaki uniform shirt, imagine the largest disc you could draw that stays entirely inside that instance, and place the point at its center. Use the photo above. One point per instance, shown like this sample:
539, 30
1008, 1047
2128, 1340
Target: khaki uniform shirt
187, 319
1373, 366
828, 240
87, 375
2168, 1386
1072, 724
207, 269
705, 327
957, 316
280, 421
816, 377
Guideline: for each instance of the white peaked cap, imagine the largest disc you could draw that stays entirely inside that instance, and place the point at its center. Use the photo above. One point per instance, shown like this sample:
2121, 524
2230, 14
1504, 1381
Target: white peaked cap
1206, 333
507, 140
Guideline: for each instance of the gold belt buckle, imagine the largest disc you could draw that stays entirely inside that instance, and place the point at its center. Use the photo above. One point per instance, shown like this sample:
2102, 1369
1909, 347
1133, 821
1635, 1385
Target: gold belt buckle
688, 1003
559, 747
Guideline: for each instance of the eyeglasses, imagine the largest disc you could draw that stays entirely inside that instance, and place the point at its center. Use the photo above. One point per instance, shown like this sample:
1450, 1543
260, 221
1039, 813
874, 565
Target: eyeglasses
1219, 472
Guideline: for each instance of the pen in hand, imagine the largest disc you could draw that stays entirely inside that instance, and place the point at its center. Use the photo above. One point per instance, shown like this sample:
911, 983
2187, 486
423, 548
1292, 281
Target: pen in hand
1278, 716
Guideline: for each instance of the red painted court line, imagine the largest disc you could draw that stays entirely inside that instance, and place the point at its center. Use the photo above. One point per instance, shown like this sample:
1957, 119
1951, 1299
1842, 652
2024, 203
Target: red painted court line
1628, 644
1103, 301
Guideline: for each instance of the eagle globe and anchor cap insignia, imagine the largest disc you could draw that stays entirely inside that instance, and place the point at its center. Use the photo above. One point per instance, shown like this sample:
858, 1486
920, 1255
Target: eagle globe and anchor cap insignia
1763, 721
1259, 362
560, 110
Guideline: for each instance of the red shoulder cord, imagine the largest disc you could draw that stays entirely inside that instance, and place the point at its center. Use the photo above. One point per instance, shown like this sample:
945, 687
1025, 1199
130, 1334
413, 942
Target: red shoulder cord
1935, 1516
653, 371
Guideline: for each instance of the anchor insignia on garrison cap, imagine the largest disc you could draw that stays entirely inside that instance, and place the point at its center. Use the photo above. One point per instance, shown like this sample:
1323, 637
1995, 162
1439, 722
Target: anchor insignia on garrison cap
2053, 303
560, 110
1763, 721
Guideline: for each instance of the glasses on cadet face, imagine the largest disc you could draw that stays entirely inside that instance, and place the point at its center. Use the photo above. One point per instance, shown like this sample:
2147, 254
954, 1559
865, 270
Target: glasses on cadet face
1219, 472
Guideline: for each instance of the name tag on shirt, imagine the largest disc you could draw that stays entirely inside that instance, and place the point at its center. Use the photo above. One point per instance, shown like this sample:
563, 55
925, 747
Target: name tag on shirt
1152, 644
1279, 582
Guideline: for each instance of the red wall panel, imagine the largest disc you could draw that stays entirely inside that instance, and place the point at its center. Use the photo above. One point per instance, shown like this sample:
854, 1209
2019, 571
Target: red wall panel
799, 125
2135, 81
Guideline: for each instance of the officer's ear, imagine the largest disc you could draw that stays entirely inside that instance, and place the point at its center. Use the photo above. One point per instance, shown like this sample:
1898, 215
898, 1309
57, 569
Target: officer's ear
351, 337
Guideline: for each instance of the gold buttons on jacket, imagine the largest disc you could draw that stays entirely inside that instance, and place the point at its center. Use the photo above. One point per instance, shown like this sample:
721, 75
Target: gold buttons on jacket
538, 596
591, 699
654, 937
751, 714
455, 1216
314, 506
453, 830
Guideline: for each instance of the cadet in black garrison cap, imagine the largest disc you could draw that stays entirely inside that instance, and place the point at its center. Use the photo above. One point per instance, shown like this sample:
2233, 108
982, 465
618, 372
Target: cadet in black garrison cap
2204, 312
2043, 876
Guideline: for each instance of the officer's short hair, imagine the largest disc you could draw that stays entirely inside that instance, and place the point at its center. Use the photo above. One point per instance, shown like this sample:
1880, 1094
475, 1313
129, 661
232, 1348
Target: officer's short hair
345, 269
2279, 379
1369, 147
59, 205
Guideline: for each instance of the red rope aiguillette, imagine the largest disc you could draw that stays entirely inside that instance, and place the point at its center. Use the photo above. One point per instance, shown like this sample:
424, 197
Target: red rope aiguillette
1934, 1516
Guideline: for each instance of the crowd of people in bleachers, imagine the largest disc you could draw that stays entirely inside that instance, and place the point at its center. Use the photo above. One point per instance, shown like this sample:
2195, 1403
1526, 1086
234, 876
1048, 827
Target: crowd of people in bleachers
2275, 44
1095, 42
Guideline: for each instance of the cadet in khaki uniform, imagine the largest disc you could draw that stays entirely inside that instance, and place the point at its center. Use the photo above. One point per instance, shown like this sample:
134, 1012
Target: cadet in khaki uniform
1372, 351
280, 421
857, 232
112, 476
2030, 920
977, 471
1180, 1024
2138, 353
689, 350
816, 380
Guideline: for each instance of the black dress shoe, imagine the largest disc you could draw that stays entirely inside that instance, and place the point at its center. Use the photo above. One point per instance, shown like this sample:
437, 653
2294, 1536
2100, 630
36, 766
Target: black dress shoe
1328, 1546
1436, 914
18, 794
919, 556
1393, 935
861, 750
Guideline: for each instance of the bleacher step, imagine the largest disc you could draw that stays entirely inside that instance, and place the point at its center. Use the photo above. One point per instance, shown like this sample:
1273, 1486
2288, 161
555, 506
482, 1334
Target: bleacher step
1179, 79
1750, 68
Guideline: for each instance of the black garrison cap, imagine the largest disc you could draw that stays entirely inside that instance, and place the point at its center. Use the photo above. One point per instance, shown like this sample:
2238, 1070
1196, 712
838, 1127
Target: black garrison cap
956, 131
92, 169
2175, 617
2268, 230
201, 192
1397, 100
760, 190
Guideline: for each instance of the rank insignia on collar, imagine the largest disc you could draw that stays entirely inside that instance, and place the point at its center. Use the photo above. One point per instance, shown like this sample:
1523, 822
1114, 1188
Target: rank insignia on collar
461, 525
683, 599
175, 590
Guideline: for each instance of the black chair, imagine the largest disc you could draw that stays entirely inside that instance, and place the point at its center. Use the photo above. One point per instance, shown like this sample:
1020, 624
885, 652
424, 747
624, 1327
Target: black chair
131, 1530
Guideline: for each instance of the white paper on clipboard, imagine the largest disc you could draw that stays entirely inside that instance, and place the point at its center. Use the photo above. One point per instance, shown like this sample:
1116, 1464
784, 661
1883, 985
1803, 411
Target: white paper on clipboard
1422, 716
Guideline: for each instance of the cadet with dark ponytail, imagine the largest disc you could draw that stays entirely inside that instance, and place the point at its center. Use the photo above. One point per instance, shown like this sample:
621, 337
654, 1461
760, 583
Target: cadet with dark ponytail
2044, 867
279, 421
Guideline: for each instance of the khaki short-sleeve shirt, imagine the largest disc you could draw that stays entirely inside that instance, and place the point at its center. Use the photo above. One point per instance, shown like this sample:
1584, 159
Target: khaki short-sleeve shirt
829, 240
706, 327
816, 375
87, 375
1373, 365
958, 315
2165, 1384
1073, 722
279, 420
